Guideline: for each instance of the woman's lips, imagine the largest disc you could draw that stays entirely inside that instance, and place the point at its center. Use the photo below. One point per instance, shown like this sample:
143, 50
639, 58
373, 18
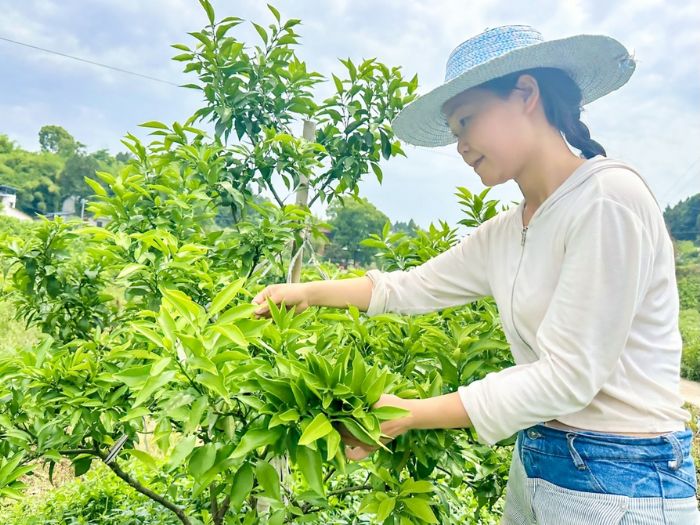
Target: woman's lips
478, 162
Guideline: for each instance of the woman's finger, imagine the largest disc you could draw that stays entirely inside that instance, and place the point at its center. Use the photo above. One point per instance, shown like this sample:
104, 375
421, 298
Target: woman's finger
358, 453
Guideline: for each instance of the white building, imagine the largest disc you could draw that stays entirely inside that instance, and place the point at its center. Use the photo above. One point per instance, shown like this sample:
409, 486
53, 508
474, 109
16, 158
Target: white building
8, 204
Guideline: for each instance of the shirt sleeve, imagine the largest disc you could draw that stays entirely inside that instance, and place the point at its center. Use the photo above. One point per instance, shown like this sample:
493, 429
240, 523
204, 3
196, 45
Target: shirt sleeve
455, 277
605, 273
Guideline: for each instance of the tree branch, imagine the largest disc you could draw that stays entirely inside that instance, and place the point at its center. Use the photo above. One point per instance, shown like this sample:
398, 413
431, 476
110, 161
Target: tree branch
274, 193
178, 511
352, 488
223, 509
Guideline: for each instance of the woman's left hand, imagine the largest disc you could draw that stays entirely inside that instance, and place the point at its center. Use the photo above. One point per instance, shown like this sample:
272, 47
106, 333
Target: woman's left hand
357, 450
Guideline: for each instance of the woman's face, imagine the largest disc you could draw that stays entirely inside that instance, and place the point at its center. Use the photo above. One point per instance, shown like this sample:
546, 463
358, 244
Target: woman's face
493, 134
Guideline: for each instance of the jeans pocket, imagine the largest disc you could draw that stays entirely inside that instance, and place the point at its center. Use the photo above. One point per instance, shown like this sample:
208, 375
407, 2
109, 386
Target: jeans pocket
624, 478
680, 482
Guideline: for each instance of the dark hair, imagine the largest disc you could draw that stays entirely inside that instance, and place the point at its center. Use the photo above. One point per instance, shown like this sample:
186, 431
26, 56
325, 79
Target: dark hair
561, 99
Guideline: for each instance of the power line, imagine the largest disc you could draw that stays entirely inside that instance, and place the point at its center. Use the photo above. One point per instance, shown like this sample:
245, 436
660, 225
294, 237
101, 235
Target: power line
92, 62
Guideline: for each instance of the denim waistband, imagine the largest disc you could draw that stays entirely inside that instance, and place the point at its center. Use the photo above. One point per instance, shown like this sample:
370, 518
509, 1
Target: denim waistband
671, 447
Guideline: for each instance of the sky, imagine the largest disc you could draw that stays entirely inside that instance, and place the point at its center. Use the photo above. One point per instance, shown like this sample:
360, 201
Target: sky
652, 122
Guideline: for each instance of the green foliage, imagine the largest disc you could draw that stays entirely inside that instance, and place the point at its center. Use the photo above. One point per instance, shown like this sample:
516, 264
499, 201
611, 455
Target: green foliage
254, 95
476, 208
147, 325
352, 222
55, 139
99, 497
683, 219
14, 334
689, 288
687, 253
35, 176
44, 179
400, 251
6, 145
690, 331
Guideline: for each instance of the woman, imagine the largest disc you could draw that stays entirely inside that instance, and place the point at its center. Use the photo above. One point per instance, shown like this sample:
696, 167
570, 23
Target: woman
583, 275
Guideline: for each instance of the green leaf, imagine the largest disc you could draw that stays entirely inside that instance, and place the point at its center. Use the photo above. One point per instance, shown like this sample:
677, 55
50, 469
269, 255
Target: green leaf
81, 465
385, 413
256, 438
338, 84
225, 296
196, 412
181, 451
202, 459
310, 463
333, 440
385, 508
377, 171
130, 268
10, 466
213, 381
268, 479
182, 303
152, 384
261, 32
233, 333
154, 124
318, 428
160, 365
144, 457
134, 413
148, 334
234, 313
209, 9
96, 187
242, 485
275, 12
411, 486
420, 508
135, 376
359, 432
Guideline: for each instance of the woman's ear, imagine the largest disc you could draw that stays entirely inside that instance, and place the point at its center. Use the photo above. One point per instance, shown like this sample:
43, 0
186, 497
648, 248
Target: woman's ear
528, 90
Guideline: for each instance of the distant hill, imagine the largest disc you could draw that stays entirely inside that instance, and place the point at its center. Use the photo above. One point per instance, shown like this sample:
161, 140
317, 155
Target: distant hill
683, 219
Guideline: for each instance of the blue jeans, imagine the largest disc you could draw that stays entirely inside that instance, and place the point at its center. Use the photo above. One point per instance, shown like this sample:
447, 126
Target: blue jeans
582, 477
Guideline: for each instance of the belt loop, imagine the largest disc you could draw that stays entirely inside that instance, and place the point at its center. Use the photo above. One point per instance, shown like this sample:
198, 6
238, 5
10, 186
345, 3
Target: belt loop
674, 464
574, 453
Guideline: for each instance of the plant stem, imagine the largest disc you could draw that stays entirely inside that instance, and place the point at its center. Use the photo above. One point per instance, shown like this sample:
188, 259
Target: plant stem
178, 511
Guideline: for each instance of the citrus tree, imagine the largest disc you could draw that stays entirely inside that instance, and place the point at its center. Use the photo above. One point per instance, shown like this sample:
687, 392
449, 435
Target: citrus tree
148, 333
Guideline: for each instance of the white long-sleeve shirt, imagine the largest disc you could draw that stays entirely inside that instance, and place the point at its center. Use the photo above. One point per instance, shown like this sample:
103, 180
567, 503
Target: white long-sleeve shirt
588, 300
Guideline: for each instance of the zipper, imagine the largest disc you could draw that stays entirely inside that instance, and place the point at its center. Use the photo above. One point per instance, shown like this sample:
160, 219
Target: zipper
512, 293
537, 212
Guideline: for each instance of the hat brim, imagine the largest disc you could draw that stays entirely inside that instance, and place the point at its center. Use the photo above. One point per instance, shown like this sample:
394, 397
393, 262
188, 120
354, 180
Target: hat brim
598, 64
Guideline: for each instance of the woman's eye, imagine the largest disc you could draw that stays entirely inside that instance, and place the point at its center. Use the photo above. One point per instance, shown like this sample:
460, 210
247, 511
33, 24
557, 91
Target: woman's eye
463, 120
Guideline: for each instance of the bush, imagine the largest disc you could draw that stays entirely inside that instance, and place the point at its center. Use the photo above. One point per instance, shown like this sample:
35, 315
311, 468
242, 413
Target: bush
690, 331
689, 288
14, 333
98, 497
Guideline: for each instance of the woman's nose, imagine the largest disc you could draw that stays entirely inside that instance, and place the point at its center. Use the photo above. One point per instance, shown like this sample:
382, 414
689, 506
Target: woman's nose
462, 147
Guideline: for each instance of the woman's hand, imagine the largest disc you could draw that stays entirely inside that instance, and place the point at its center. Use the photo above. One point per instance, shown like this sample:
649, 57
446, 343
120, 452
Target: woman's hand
444, 411
356, 450
293, 294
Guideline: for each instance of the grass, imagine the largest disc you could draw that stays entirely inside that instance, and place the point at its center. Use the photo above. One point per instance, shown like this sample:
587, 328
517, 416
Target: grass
14, 333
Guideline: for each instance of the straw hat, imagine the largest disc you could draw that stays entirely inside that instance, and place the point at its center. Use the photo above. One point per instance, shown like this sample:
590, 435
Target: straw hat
598, 64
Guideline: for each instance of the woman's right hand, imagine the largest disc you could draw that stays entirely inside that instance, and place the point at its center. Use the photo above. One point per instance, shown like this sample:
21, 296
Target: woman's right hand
293, 294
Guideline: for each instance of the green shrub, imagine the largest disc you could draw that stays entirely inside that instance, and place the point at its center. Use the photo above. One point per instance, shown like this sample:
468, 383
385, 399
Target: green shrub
690, 331
14, 333
689, 288
98, 497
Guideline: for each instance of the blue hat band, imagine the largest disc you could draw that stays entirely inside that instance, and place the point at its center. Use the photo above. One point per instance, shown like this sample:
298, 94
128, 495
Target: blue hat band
488, 45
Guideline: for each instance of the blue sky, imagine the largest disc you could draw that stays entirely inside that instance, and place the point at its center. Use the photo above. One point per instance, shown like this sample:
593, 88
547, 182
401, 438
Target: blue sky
653, 121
